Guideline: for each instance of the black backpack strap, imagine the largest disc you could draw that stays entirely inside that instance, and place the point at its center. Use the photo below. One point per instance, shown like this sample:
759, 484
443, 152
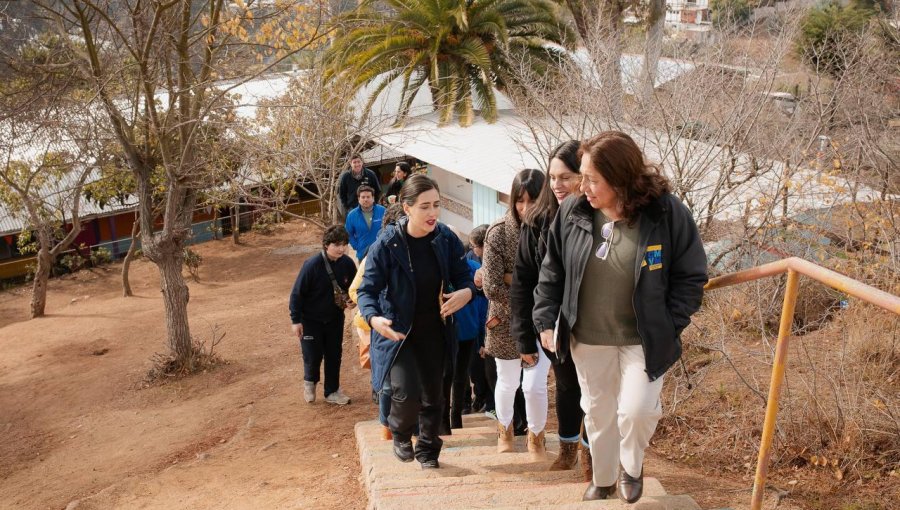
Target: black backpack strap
334, 283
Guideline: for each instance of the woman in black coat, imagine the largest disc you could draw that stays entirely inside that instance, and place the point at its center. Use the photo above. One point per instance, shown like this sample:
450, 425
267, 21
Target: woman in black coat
563, 180
625, 268
415, 279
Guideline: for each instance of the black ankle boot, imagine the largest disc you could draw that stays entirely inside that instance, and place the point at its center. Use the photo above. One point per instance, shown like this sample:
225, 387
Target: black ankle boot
594, 493
630, 488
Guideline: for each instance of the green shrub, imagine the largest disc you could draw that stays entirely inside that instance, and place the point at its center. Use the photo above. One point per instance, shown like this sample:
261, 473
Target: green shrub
193, 260
730, 12
828, 31
265, 223
100, 256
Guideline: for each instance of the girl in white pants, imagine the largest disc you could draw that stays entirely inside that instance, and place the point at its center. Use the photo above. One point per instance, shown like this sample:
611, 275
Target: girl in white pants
534, 386
500, 247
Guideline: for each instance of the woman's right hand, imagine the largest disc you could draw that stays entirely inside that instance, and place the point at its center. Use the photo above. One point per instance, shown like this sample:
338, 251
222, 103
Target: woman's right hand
547, 340
383, 327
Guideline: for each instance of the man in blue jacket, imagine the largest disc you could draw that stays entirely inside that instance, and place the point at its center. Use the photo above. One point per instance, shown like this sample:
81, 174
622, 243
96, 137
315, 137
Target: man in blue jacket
364, 222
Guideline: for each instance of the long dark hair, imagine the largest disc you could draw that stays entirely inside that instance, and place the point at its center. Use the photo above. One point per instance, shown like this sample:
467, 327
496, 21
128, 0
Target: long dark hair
546, 205
405, 168
620, 161
415, 186
528, 180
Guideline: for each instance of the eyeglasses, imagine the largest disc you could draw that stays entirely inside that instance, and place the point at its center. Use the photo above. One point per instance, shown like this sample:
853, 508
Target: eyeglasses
606, 231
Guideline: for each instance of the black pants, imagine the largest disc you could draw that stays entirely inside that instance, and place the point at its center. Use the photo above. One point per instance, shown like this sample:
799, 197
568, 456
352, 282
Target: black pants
417, 385
520, 420
456, 384
322, 340
568, 397
480, 385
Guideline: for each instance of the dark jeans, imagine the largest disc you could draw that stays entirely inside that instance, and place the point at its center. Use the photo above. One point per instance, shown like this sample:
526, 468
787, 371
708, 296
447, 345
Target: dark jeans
568, 397
480, 385
417, 386
322, 340
456, 384
520, 421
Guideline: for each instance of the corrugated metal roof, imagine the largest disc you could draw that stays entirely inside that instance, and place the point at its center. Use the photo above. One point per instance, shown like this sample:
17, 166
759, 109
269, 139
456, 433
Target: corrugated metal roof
56, 193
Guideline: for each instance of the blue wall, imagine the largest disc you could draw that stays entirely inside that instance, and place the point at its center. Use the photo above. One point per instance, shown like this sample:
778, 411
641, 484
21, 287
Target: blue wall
485, 208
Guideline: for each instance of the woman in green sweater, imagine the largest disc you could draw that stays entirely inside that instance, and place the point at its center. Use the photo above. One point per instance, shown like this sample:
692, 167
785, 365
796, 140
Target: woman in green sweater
626, 268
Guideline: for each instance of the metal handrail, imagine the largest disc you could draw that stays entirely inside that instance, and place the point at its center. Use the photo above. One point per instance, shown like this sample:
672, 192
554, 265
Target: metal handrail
794, 267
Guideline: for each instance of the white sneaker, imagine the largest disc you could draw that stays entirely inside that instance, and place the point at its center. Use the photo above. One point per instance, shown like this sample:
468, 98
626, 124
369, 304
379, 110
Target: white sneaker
338, 398
309, 391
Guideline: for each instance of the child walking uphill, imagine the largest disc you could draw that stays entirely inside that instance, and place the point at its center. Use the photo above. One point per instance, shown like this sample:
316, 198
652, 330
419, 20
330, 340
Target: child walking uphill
317, 305
470, 329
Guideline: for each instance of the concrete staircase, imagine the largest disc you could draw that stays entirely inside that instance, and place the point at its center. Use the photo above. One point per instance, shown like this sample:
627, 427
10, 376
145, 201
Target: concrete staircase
473, 475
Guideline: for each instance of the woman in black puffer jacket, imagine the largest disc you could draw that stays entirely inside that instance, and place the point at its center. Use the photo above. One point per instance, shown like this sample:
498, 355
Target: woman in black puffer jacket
563, 179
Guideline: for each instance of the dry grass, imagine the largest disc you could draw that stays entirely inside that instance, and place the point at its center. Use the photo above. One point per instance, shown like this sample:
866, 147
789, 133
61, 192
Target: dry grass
166, 367
838, 434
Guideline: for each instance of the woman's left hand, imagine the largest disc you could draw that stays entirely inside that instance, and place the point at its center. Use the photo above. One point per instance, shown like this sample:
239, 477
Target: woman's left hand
454, 301
529, 359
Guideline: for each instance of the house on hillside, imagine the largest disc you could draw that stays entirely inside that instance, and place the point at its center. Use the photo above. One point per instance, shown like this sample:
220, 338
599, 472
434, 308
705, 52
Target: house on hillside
686, 12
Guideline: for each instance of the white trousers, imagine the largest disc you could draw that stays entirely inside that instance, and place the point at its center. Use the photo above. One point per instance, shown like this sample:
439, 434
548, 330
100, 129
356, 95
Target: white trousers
534, 386
621, 407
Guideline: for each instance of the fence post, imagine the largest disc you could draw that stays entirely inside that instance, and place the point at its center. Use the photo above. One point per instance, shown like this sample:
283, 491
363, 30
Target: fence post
781, 350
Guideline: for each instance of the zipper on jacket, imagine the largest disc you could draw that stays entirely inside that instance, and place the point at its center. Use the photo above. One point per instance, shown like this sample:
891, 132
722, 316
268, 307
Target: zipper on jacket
641, 253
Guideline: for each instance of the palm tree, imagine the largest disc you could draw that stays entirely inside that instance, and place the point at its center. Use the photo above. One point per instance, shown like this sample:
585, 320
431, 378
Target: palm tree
463, 49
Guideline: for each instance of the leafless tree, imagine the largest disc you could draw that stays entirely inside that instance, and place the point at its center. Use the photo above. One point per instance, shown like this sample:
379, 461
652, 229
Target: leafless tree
42, 176
156, 67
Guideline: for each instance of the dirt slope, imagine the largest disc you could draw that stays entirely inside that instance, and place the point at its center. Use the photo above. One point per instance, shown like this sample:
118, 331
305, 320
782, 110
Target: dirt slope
77, 426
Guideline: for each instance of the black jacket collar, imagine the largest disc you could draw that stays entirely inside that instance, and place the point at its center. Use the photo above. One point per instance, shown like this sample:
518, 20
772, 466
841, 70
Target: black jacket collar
582, 213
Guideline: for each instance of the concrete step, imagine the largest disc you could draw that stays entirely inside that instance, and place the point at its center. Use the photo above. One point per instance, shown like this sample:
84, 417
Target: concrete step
645, 503
473, 475
527, 494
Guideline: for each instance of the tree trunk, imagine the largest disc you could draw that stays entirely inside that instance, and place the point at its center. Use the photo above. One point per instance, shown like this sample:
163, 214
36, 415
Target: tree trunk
215, 223
584, 16
126, 264
610, 46
655, 25
236, 224
170, 260
41, 279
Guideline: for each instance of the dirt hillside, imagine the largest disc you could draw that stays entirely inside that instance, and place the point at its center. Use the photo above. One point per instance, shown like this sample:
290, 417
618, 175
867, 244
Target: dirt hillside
77, 426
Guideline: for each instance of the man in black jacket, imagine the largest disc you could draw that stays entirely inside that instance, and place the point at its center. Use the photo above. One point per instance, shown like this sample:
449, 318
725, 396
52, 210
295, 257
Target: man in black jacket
352, 179
316, 318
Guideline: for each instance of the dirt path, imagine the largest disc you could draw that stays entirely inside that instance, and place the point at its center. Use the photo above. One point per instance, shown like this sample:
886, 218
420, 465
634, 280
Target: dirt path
76, 425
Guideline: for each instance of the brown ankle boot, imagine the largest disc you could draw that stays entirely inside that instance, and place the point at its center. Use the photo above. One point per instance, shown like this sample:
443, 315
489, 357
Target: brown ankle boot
567, 458
537, 444
505, 438
386, 433
587, 466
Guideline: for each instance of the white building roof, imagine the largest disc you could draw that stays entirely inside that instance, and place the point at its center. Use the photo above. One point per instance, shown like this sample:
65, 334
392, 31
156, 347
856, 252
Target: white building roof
491, 154
488, 154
